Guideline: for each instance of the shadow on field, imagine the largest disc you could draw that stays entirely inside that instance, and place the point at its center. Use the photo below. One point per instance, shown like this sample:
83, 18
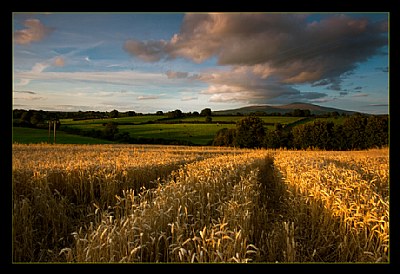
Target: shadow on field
292, 227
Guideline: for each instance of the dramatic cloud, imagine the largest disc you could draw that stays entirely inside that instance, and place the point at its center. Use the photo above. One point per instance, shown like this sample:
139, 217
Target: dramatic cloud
268, 52
241, 84
34, 32
149, 51
285, 42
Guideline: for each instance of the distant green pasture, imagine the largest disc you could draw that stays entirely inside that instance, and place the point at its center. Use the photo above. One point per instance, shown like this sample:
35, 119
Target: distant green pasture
24, 135
200, 119
199, 134
336, 120
132, 119
280, 119
266, 119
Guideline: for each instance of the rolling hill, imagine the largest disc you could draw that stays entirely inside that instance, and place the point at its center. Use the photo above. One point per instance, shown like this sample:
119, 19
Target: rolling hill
314, 109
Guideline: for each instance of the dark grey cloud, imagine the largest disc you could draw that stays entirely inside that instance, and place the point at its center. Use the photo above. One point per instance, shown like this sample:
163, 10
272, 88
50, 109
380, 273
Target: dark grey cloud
241, 85
296, 49
27, 95
149, 51
323, 82
268, 52
24, 91
383, 69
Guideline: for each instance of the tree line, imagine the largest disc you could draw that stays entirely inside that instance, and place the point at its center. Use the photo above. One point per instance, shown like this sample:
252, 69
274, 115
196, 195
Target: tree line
357, 132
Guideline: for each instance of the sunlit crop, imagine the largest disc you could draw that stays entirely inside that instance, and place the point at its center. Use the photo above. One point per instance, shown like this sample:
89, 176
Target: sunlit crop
134, 204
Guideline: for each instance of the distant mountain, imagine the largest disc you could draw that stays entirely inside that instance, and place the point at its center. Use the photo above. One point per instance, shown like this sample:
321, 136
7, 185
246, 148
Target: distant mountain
314, 109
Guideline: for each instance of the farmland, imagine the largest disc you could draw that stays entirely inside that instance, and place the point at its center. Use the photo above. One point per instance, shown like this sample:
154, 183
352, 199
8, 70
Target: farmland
190, 130
118, 203
36, 136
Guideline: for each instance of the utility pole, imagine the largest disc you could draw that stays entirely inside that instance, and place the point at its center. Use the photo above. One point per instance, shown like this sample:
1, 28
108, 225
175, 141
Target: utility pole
48, 139
52, 122
54, 132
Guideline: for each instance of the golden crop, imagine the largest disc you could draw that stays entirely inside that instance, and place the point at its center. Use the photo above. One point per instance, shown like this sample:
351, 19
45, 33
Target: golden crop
130, 203
353, 188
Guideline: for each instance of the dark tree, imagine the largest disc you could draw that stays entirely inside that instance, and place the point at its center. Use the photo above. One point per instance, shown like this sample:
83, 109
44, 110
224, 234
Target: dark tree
110, 130
334, 114
377, 131
301, 138
306, 113
26, 118
206, 112
278, 126
278, 138
339, 140
123, 137
250, 132
354, 130
225, 137
36, 118
175, 114
322, 134
114, 114
319, 134
297, 113
17, 113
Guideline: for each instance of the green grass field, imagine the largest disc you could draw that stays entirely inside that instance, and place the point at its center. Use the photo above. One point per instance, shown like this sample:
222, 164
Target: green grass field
132, 119
266, 119
336, 120
199, 134
35, 136
184, 129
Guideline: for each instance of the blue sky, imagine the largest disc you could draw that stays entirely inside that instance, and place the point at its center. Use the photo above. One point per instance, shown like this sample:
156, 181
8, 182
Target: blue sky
147, 62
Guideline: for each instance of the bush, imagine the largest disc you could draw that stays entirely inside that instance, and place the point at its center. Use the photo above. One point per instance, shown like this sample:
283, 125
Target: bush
250, 132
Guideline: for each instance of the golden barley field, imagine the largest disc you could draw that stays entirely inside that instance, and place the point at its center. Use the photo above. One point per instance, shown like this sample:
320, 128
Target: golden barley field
169, 204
